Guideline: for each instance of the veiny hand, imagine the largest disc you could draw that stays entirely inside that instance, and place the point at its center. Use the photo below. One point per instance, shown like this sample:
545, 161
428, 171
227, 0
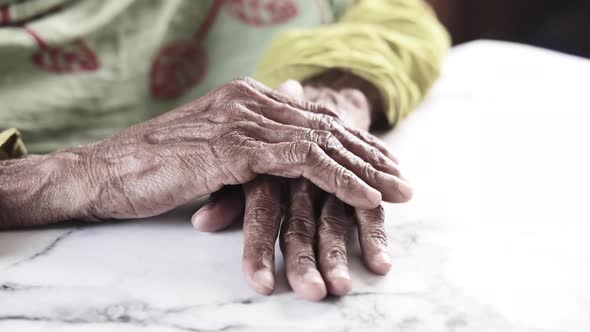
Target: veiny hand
226, 137
313, 246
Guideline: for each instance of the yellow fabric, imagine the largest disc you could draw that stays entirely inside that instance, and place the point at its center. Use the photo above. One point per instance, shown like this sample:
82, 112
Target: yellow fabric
11, 144
398, 45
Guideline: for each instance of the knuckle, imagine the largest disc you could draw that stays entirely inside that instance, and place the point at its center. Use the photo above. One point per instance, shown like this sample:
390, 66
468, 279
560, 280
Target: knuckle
376, 236
263, 247
298, 237
300, 151
371, 174
336, 253
262, 214
334, 220
298, 231
325, 139
237, 109
376, 156
372, 216
304, 258
294, 153
264, 199
332, 143
345, 178
301, 227
326, 122
311, 151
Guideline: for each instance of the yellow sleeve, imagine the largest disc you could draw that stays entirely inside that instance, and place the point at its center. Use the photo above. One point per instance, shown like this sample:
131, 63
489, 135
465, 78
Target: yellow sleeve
11, 144
398, 45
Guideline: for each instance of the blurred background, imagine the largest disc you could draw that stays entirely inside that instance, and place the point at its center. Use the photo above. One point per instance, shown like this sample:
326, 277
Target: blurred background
562, 25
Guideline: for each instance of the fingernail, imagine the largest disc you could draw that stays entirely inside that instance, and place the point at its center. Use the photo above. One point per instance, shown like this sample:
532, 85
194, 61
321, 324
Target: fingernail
263, 282
311, 286
338, 281
195, 220
382, 262
374, 197
339, 273
313, 277
198, 220
405, 189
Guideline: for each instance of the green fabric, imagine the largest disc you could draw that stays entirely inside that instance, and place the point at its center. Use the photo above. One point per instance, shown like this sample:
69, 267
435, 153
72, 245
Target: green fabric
398, 45
57, 110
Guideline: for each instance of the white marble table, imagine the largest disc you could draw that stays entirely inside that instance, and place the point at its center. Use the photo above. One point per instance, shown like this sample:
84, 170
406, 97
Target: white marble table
496, 239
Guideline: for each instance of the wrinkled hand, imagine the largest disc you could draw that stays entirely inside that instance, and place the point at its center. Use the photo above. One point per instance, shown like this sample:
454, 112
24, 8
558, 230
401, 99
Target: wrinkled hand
228, 137
315, 230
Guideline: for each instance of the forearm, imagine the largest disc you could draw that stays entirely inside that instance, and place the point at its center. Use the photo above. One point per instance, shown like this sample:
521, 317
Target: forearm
43, 189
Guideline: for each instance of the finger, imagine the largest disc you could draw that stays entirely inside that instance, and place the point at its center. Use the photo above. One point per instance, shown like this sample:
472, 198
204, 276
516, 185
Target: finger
256, 126
335, 222
352, 96
277, 110
307, 159
224, 209
291, 88
328, 111
261, 226
362, 144
373, 239
297, 242
393, 188
374, 141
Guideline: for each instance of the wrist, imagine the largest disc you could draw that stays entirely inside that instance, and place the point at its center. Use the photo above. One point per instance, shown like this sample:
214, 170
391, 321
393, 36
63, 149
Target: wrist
76, 184
43, 189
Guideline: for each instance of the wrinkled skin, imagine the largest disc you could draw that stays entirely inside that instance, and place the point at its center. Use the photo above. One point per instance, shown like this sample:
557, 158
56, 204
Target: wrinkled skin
227, 137
315, 230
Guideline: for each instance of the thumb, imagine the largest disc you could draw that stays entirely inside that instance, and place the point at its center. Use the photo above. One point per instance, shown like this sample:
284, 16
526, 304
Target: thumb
225, 208
291, 88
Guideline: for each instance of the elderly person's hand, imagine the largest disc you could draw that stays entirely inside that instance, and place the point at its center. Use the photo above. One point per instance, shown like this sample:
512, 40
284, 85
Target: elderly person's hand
314, 233
226, 137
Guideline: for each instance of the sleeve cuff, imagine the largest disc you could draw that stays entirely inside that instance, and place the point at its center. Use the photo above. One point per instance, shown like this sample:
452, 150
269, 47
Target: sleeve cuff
398, 51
